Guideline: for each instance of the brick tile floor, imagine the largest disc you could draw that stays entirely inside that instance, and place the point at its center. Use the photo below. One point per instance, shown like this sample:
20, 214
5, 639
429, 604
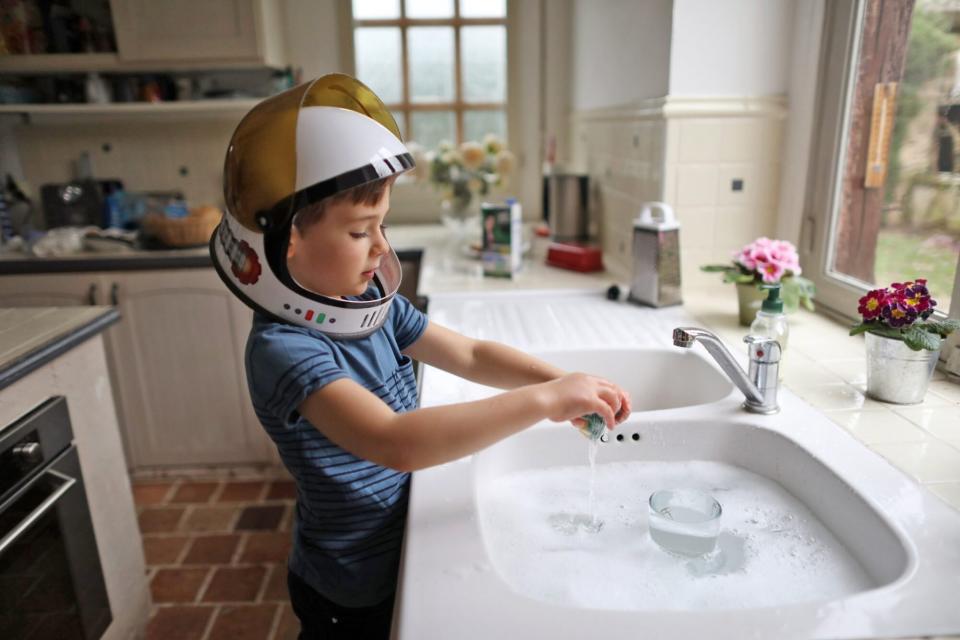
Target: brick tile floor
216, 554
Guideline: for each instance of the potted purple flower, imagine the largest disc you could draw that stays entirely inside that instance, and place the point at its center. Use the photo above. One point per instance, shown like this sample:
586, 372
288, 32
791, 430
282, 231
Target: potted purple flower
903, 341
766, 261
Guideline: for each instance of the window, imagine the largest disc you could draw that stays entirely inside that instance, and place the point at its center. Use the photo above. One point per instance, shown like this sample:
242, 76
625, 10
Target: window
439, 65
885, 203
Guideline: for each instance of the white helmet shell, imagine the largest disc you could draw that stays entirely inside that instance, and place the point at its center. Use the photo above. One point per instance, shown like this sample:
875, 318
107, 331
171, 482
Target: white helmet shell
291, 151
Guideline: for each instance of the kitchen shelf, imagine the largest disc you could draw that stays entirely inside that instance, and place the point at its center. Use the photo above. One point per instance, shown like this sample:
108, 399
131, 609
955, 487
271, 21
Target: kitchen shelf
226, 108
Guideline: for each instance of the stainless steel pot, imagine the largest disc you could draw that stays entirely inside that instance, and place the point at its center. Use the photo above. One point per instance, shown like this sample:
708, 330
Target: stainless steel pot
568, 212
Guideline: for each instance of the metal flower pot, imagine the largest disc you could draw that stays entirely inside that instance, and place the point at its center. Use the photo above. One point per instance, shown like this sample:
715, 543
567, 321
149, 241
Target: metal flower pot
749, 298
895, 372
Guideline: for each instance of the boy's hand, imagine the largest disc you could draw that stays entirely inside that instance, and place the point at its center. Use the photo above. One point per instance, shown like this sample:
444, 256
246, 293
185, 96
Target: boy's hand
575, 395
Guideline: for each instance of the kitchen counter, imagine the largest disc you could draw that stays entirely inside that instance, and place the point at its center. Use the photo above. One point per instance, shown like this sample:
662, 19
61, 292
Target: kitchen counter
823, 365
826, 367
448, 559
31, 337
59, 351
132, 260
447, 266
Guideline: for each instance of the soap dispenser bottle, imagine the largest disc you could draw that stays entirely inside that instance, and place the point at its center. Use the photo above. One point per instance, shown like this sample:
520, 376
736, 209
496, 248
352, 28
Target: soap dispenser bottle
771, 322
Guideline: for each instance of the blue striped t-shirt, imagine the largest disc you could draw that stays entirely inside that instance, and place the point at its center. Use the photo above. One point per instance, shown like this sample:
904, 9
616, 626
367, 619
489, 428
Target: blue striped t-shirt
350, 511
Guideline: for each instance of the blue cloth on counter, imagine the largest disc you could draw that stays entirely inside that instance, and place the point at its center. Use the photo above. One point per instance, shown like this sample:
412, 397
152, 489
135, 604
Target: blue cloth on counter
350, 511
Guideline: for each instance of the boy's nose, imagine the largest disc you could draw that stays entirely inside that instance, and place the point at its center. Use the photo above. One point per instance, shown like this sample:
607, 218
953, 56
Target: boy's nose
380, 245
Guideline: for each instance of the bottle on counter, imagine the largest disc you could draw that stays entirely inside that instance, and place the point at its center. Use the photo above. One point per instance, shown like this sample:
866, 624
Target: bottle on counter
771, 322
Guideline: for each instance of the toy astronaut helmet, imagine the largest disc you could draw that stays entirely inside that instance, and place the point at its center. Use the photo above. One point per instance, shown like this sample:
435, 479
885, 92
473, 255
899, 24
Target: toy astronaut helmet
290, 151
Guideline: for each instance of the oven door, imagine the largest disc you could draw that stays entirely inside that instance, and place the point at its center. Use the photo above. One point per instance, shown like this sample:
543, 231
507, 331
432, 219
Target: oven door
51, 582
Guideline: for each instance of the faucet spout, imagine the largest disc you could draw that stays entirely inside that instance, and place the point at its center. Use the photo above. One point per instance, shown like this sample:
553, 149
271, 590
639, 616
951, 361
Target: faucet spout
760, 385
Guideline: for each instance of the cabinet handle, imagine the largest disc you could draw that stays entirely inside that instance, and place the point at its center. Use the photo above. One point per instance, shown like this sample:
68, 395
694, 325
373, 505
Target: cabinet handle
114, 289
92, 295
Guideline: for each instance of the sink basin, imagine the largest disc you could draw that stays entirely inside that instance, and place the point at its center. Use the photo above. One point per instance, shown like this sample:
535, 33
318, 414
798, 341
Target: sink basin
820, 537
791, 530
693, 378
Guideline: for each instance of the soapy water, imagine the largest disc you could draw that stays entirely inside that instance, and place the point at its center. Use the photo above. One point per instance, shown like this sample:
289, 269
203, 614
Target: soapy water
771, 549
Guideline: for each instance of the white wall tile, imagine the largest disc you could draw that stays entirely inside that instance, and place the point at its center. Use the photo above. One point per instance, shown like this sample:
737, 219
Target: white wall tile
697, 227
700, 141
145, 155
747, 174
734, 227
696, 185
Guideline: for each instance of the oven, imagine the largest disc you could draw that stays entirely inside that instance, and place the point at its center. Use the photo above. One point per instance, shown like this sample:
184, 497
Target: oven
51, 581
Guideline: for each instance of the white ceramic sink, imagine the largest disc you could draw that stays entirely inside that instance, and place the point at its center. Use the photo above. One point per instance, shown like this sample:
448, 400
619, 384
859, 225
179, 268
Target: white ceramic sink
821, 538
691, 378
792, 531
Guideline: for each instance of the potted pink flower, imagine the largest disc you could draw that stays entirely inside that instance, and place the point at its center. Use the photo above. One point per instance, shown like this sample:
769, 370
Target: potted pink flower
902, 340
766, 261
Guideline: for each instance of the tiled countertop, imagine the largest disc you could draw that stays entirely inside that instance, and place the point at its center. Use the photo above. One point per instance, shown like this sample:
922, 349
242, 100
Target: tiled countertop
31, 337
827, 368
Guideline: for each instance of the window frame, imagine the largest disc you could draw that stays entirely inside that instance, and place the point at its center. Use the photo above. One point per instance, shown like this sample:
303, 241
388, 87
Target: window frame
837, 294
527, 111
458, 105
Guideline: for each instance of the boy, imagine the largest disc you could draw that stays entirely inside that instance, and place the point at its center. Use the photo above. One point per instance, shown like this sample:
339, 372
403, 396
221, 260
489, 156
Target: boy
307, 184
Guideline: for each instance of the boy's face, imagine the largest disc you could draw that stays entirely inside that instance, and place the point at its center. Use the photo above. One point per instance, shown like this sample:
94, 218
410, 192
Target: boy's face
337, 255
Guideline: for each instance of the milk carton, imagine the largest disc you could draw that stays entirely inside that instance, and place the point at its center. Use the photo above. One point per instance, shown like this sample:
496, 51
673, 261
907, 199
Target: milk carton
502, 253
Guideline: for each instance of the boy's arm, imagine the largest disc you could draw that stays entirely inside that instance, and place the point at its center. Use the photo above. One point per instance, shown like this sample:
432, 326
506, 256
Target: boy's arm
483, 361
361, 423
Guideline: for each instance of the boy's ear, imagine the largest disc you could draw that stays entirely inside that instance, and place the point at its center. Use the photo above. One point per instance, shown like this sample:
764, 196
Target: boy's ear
294, 243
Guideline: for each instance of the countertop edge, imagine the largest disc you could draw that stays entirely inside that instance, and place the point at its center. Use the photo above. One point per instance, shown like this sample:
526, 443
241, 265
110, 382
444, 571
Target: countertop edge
133, 262
40, 356
140, 261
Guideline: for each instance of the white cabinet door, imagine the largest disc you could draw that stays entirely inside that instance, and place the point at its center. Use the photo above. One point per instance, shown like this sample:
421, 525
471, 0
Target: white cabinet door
51, 290
179, 357
218, 31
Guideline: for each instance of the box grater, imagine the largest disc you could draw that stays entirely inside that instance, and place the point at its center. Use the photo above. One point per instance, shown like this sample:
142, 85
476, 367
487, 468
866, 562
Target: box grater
656, 257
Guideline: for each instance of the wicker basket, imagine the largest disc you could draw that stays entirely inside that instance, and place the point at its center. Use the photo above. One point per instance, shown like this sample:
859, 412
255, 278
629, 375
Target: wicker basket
189, 231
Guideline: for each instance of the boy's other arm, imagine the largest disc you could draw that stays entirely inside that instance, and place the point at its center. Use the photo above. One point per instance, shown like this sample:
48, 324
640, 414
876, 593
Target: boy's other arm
360, 422
483, 361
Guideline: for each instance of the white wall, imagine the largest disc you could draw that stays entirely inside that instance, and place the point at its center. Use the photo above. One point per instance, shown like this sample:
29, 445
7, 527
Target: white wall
312, 36
730, 48
620, 51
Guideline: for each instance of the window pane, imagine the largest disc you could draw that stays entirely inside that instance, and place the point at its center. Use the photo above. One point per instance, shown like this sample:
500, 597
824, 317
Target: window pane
478, 123
910, 226
483, 51
378, 61
483, 8
375, 9
429, 8
430, 51
430, 128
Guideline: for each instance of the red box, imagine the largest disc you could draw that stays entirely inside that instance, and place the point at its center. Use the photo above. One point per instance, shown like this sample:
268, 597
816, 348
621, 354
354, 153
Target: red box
575, 256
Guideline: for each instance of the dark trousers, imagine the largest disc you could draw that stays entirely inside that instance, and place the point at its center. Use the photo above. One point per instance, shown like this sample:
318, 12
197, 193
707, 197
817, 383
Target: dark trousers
321, 619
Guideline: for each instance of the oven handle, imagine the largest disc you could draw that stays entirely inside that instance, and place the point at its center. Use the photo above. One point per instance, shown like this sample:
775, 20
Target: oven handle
39, 512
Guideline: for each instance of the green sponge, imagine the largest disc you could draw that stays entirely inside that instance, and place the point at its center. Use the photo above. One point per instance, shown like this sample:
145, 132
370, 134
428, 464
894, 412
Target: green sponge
594, 427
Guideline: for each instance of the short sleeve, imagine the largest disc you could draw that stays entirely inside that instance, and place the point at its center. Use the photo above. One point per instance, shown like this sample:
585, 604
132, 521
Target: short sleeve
409, 323
284, 366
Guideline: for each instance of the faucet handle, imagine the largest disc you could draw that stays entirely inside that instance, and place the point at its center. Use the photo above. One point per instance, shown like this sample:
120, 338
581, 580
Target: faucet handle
763, 349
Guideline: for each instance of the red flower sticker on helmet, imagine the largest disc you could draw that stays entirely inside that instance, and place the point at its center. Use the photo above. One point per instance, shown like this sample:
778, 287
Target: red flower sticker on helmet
248, 270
